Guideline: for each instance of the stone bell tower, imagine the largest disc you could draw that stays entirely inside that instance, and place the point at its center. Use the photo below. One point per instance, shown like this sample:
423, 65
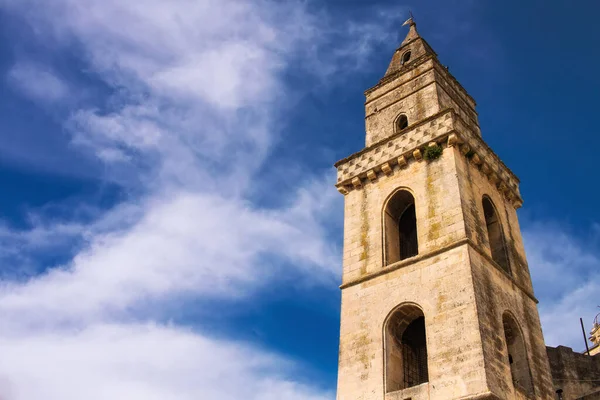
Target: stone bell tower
437, 300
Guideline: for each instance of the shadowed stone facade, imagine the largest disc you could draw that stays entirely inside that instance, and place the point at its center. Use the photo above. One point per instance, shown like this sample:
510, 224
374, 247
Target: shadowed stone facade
577, 375
437, 299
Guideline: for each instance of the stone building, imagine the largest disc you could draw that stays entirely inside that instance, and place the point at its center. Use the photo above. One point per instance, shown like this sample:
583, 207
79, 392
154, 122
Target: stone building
595, 336
437, 299
575, 375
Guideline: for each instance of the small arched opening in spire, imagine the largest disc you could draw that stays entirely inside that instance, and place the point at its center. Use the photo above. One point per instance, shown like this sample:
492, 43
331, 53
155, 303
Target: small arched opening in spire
517, 354
406, 57
401, 122
400, 223
495, 234
405, 348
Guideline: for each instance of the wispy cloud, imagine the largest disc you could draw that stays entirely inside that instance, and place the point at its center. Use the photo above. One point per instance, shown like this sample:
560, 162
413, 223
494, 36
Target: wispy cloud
191, 244
564, 268
37, 82
144, 362
197, 89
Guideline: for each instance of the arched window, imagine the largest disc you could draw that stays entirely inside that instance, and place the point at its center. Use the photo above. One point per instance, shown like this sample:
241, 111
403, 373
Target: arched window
405, 57
495, 234
517, 354
401, 122
405, 349
400, 222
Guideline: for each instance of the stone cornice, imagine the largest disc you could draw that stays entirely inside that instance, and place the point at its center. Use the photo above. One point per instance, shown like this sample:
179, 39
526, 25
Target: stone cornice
445, 128
383, 141
404, 263
413, 260
480, 147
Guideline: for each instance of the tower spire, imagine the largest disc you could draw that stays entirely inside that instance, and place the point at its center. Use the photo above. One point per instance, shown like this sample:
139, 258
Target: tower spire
412, 48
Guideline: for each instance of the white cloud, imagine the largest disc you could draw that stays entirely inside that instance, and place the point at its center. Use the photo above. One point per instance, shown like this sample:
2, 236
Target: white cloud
37, 82
564, 271
188, 244
197, 88
143, 362
57, 338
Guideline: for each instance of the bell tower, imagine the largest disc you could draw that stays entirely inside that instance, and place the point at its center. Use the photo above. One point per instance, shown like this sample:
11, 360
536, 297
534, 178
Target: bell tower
437, 300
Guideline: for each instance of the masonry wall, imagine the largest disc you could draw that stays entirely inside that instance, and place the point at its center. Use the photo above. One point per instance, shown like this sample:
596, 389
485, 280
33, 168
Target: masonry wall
434, 186
498, 292
419, 93
451, 96
416, 97
448, 193
394, 84
440, 282
576, 374
473, 186
453, 343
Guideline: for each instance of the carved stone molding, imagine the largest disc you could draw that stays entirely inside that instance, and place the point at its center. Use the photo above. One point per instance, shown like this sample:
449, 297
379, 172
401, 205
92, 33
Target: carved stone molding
443, 128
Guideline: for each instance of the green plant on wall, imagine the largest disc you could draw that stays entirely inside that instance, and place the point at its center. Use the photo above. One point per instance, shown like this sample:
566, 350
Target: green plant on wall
432, 152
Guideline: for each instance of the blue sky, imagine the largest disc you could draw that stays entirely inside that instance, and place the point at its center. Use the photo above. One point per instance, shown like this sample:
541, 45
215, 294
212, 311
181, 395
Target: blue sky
168, 221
